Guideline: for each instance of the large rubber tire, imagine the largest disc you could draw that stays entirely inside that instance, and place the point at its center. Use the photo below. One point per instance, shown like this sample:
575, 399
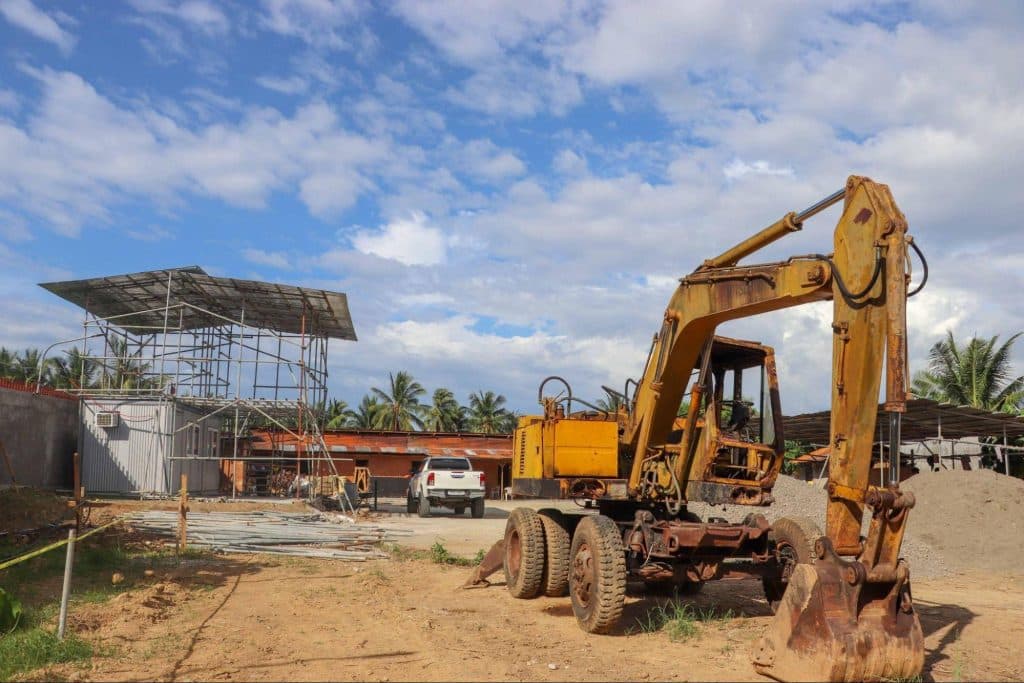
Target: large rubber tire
410, 503
477, 508
424, 507
597, 578
793, 540
557, 543
460, 510
524, 553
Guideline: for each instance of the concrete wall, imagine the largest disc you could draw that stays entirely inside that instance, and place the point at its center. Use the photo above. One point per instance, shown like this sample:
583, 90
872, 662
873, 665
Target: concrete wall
40, 434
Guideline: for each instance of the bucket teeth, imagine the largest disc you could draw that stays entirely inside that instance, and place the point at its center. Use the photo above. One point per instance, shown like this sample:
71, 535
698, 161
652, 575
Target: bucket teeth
827, 629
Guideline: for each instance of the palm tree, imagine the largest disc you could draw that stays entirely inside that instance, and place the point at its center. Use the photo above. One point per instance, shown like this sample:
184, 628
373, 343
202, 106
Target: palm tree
977, 374
365, 416
610, 403
487, 413
74, 372
7, 361
444, 412
400, 406
336, 416
26, 367
129, 372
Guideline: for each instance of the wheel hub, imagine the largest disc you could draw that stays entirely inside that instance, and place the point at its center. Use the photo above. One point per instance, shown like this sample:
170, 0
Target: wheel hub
583, 574
515, 553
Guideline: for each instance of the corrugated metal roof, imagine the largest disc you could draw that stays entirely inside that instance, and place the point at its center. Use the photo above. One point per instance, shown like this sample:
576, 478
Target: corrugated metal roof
922, 420
136, 302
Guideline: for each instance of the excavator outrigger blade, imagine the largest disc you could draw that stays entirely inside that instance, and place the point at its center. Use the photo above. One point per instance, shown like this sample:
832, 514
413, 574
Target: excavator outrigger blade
840, 622
492, 562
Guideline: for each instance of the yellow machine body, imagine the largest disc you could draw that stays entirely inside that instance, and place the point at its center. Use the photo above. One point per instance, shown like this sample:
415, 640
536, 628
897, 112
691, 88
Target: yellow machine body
546, 450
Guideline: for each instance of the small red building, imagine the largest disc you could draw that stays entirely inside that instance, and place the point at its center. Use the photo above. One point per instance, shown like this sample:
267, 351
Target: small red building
390, 456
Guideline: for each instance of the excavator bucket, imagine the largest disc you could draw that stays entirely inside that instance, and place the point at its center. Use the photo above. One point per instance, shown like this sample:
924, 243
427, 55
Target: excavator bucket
839, 622
492, 562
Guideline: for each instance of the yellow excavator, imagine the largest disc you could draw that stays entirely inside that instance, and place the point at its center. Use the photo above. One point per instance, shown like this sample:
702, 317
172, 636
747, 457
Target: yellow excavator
842, 601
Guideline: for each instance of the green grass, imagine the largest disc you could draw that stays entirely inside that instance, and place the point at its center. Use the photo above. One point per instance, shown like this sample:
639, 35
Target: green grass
33, 646
440, 555
681, 621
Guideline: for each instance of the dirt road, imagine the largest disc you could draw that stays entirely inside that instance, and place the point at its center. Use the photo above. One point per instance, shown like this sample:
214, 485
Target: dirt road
266, 619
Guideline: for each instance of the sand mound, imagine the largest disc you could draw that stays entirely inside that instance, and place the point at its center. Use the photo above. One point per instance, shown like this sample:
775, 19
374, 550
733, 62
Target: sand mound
974, 519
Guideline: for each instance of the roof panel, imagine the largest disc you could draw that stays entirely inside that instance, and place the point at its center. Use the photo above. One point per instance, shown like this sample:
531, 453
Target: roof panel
923, 420
138, 302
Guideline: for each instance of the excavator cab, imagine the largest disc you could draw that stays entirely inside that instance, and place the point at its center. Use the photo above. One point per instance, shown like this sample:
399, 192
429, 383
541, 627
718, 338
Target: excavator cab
733, 452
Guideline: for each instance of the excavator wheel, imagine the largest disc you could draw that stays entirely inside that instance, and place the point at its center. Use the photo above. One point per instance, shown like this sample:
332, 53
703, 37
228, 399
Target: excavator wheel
524, 553
557, 542
597, 577
793, 540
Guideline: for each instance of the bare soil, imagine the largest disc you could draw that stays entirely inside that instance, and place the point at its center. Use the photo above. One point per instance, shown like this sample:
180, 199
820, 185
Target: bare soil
262, 618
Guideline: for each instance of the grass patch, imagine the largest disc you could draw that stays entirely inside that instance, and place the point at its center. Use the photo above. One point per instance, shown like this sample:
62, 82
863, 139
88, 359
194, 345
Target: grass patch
440, 555
33, 646
403, 554
681, 621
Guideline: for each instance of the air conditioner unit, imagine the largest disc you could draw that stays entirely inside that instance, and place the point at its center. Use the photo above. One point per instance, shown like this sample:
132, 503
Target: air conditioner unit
108, 419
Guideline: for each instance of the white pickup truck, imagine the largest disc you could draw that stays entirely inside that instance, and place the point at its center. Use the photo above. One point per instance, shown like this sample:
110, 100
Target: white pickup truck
446, 482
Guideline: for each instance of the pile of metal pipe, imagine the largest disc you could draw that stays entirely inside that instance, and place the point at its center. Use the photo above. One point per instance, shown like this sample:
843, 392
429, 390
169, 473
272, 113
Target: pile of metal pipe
268, 531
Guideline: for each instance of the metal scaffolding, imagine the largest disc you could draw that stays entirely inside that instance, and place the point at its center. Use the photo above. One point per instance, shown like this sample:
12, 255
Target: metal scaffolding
250, 353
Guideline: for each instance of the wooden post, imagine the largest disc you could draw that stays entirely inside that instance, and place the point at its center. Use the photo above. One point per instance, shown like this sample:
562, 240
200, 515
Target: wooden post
183, 515
77, 493
7, 461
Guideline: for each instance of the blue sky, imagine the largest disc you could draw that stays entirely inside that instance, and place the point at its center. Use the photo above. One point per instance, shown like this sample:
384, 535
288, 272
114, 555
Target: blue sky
505, 190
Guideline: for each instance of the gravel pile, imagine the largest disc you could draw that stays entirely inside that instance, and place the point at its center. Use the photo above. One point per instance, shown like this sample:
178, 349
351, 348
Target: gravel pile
797, 498
973, 519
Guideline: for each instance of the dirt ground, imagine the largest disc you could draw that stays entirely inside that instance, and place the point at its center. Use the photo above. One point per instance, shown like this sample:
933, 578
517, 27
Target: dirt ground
268, 618
258, 619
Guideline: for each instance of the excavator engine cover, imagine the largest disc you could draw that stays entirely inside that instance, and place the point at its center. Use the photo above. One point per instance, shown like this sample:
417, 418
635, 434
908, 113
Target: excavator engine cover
835, 625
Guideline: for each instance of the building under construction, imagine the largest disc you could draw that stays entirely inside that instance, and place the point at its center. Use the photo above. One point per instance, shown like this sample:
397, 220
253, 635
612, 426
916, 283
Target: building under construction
186, 363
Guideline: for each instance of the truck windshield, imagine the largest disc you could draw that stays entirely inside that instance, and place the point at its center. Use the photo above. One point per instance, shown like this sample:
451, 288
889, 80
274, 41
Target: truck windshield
448, 464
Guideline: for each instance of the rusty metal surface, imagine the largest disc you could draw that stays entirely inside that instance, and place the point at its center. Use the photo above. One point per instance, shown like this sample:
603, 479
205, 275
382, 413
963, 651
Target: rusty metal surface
828, 628
493, 561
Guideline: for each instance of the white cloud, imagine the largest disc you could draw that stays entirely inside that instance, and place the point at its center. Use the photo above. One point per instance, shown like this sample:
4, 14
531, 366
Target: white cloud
80, 153
198, 14
737, 168
411, 242
25, 15
274, 259
320, 23
152, 233
291, 85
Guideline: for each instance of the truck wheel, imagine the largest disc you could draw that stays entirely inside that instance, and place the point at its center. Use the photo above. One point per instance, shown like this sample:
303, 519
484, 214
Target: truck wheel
460, 510
410, 503
597, 578
557, 542
524, 553
424, 508
793, 542
477, 509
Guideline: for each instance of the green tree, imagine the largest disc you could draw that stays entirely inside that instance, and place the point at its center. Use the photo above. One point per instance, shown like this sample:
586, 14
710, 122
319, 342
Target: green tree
487, 413
611, 403
978, 374
336, 415
400, 405
125, 370
75, 371
444, 412
365, 415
